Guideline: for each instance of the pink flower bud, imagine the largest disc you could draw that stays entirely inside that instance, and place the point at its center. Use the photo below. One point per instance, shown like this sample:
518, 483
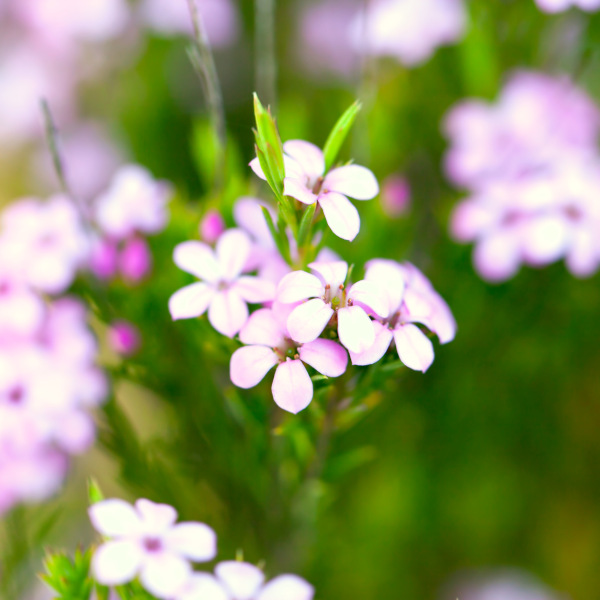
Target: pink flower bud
211, 226
103, 262
395, 196
136, 259
124, 338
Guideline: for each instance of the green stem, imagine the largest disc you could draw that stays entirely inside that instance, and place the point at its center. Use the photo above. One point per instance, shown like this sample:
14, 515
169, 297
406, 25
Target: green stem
265, 61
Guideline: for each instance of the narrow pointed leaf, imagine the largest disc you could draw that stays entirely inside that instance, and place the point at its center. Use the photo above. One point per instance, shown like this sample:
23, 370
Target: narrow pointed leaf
338, 134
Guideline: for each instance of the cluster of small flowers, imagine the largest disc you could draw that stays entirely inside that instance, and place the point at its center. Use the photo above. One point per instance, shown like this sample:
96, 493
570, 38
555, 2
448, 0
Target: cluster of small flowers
145, 542
554, 6
308, 318
531, 164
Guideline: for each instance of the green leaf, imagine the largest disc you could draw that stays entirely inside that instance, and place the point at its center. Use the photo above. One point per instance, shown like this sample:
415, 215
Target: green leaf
338, 134
279, 237
69, 578
269, 143
95, 494
306, 224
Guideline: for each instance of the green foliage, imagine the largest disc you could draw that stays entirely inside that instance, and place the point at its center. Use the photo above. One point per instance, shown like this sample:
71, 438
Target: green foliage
69, 577
339, 133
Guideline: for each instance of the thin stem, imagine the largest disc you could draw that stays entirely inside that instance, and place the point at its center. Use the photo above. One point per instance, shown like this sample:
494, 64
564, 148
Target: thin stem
265, 68
203, 62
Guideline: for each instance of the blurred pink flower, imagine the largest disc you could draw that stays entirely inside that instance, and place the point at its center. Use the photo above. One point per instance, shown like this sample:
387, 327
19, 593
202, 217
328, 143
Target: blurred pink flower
145, 540
135, 259
269, 344
21, 310
211, 226
306, 181
223, 290
395, 196
553, 6
124, 337
104, 260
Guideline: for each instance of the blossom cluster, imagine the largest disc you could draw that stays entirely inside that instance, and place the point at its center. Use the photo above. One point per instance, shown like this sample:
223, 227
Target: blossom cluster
145, 541
531, 165
554, 6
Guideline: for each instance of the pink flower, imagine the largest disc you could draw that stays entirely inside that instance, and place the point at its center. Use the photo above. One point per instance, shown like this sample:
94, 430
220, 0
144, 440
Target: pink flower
135, 260
124, 338
104, 258
553, 6
223, 290
21, 310
235, 580
269, 345
145, 541
212, 226
307, 182
411, 299
395, 196
330, 298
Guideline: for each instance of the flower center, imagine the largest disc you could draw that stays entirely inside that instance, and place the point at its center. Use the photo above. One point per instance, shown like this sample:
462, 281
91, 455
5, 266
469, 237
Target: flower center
152, 544
316, 188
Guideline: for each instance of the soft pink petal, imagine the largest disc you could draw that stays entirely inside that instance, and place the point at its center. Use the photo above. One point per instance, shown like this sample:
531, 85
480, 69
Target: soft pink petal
307, 321
371, 295
299, 285
383, 339
352, 180
255, 166
232, 251
292, 388
164, 574
248, 214
250, 364
325, 356
414, 347
262, 328
287, 587
156, 517
191, 300
355, 329
195, 541
254, 289
198, 259
391, 277
333, 273
202, 586
341, 215
241, 579
497, 256
307, 155
118, 562
296, 188
114, 518
227, 312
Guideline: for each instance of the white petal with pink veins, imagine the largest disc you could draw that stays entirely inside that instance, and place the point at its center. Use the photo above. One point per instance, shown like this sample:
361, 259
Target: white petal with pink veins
341, 215
333, 273
307, 321
232, 251
156, 517
227, 312
292, 388
262, 328
195, 541
307, 155
191, 301
355, 329
241, 579
415, 349
254, 289
299, 285
371, 295
164, 574
288, 587
116, 562
114, 518
250, 364
352, 180
383, 339
198, 259
297, 188
325, 356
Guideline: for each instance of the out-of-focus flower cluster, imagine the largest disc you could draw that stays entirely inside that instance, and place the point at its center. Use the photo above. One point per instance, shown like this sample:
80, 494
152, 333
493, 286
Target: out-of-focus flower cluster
531, 165
554, 6
145, 541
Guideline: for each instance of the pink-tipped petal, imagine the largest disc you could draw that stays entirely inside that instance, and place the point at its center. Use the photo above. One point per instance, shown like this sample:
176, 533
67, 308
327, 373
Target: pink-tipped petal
164, 575
352, 180
255, 166
333, 273
325, 356
415, 349
292, 388
195, 541
371, 295
383, 339
227, 312
307, 321
118, 562
355, 329
191, 301
288, 587
296, 188
114, 518
241, 579
254, 289
250, 364
156, 517
232, 251
299, 285
341, 215
198, 259
262, 328
307, 155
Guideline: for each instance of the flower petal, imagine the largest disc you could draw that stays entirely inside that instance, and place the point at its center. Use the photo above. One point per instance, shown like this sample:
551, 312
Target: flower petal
355, 329
116, 562
250, 364
325, 356
198, 259
255, 166
232, 251
371, 295
307, 155
341, 215
262, 328
307, 321
191, 301
383, 339
333, 273
415, 349
391, 277
227, 312
164, 574
288, 587
114, 518
254, 289
297, 188
156, 517
202, 586
241, 579
299, 285
195, 541
352, 180
292, 388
